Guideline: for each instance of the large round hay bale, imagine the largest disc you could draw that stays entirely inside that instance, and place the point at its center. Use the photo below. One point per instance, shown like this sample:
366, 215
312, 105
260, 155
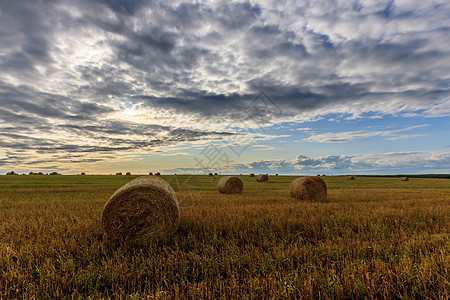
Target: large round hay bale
142, 211
128, 173
230, 185
309, 188
158, 174
150, 173
210, 174
351, 177
215, 174
404, 179
262, 178
252, 175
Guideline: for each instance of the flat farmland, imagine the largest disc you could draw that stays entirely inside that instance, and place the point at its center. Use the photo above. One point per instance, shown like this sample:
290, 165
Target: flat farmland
375, 237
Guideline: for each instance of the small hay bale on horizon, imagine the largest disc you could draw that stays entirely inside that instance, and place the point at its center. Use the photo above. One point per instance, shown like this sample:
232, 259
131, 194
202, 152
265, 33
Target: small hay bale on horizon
216, 174
262, 178
119, 173
128, 173
309, 188
352, 177
150, 173
142, 211
158, 174
404, 179
252, 175
210, 174
230, 185
82, 173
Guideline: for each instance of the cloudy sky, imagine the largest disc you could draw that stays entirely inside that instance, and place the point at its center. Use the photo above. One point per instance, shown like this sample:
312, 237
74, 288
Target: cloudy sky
289, 87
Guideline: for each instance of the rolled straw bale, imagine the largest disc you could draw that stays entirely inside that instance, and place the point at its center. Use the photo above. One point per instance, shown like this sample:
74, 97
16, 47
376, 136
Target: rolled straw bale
142, 211
210, 174
404, 179
230, 185
128, 173
252, 175
309, 188
216, 174
351, 177
262, 178
158, 174
150, 173
119, 173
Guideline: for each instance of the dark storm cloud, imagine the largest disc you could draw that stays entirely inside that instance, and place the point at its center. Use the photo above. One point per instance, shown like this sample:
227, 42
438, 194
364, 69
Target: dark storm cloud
29, 102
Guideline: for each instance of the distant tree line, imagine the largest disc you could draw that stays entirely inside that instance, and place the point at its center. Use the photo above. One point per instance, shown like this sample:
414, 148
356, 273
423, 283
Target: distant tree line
33, 173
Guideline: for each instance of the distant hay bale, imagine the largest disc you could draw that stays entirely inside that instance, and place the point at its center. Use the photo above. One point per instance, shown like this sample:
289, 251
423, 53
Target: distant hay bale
215, 174
324, 175
210, 174
276, 174
252, 175
158, 174
82, 173
351, 177
318, 175
151, 173
128, 173
262, 178
119, 173
142, 211
309, 188
404, 179
230, 185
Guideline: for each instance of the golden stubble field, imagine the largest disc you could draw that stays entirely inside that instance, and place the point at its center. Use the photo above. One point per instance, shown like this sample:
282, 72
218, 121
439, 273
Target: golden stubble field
374, 237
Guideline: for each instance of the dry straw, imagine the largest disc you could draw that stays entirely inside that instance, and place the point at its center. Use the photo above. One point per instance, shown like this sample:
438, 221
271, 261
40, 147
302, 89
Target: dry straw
262, 178
252, 175
404, 179
310, 188
142, 211
230, 185
351, 177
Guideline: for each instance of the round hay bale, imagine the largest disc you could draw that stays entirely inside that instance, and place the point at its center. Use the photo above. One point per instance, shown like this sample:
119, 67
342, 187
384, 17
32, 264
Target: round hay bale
119, 173
351, 177
158, 174
150, 173
252, 175
310, 188
230, 185
210, 174
142, 211
276, 174
404, 179
216, 174
262, 178
83, 173
128, 173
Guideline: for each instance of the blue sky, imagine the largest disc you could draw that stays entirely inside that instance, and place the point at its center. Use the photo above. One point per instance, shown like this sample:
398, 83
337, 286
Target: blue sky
333, 87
